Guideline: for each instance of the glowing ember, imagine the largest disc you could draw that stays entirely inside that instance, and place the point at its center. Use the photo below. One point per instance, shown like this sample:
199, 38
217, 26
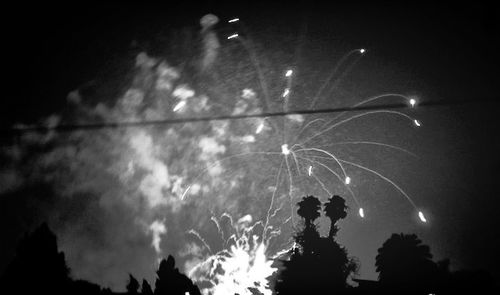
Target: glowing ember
361, 213
347, 180
421, 216
284, 149
259, 128
179, 106
232, 36
288, 73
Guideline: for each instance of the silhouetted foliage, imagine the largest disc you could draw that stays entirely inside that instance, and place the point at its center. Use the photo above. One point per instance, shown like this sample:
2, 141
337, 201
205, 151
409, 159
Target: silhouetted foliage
38, 265
132, 285
335, 209
170, 281
146, 288
316, 264
309, 209
403, 262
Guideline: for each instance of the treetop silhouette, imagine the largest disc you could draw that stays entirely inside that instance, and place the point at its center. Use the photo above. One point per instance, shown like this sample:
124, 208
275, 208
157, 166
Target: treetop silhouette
316, 264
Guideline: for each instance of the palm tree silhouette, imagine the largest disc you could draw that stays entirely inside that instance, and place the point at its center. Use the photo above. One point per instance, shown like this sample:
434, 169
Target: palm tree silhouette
309, 209
335, 209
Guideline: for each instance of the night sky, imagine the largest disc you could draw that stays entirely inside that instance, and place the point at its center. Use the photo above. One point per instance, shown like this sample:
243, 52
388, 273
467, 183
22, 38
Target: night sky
431, 52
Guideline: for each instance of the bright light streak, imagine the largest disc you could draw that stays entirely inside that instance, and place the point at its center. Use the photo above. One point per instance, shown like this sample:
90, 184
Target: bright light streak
310, 170
413, 102
286, 92
288, 73
233, 20
180, 105
232, 36
417, 123
361, 213
421, 216
284, 149
362, 50
259, 128
347, 180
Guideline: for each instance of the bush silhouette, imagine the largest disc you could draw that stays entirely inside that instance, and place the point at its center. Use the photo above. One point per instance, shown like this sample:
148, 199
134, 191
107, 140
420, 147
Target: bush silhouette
146, 288
38, 265
171, 282
132, 285
403, 262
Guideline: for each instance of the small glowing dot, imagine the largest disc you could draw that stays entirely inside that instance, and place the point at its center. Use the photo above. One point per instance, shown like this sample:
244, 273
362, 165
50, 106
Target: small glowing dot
310, 170
284, 149
259, 128
362, 50
421, 216
233, 20
180, 105
361, 213
413, 102
347, 180
232, 36
286, 92
417, 123
288, 73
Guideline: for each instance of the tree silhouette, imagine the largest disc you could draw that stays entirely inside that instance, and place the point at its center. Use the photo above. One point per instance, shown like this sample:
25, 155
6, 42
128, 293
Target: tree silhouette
335, 209
403, 262
315, 264
38, 265
170, 281
146, 288
132, 285
309, 209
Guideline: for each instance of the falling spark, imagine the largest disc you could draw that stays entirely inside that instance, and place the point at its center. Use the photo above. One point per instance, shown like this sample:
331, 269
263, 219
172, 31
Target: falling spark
347, 180
417, 123
232, 36
286, 92
233, 20
362, 50
284, 149
413, 102
310, 170
289, 73
361, 213
421, 216
259, 128
180, 105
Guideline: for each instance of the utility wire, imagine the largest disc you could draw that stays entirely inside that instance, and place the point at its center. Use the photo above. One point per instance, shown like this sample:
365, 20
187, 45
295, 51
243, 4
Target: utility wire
131, 124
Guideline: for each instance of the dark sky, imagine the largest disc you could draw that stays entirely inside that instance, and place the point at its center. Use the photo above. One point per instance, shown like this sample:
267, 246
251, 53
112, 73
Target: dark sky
445, 52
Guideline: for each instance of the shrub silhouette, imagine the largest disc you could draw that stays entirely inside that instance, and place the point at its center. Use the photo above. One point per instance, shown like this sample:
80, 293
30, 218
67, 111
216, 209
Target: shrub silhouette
146, 288
403, 262
38, 266
171, 282
132, 285
316, 264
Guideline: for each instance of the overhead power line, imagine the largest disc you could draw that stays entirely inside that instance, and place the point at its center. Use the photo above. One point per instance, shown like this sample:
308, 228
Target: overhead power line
131, 124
